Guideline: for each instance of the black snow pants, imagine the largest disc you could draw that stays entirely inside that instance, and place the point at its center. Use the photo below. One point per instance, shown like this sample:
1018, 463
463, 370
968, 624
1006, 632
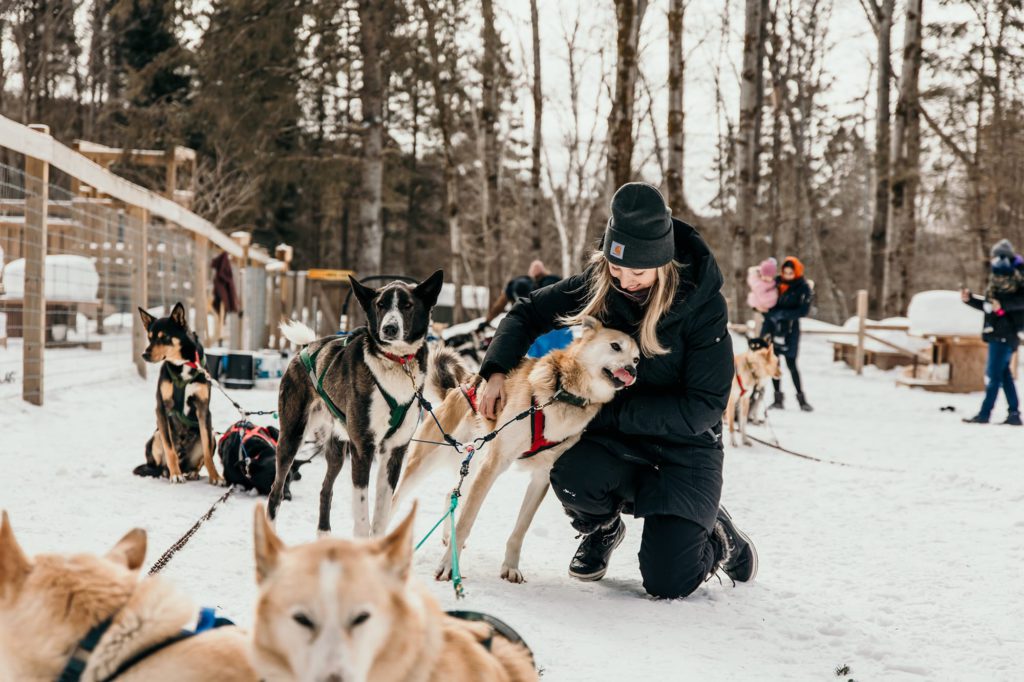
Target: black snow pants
594, 485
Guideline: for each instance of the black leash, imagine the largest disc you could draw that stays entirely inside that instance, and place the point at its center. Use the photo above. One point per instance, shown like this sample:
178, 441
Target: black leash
166, 557
777, 446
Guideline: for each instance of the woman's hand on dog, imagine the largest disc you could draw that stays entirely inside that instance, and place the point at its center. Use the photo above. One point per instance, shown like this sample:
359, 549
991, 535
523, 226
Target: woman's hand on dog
492, 398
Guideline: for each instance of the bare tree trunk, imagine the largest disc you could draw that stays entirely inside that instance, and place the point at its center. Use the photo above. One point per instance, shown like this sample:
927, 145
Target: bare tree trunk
747, 151
880, 223
676, 172
629, 16
371, 19
443, 87
906, 151
489, 123
536, 224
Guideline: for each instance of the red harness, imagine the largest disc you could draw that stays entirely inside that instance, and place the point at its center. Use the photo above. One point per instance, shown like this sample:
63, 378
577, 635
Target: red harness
538, 442
739, 382
249, 433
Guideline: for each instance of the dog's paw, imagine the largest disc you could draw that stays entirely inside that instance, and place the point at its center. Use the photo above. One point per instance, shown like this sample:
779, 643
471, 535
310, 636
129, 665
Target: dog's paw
321, 533
443, 572
512, 574
217, 481
177, 479
749, 443
192, 476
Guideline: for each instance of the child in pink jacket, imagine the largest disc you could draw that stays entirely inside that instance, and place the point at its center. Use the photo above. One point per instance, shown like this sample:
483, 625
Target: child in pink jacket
764, 293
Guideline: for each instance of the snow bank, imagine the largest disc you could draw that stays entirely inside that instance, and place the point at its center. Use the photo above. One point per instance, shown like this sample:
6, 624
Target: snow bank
942, 313
68, 278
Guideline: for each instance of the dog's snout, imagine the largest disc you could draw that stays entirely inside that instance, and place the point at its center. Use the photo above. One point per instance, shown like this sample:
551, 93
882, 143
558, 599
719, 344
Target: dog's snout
333, 677
631, 369
146, 356
390, 330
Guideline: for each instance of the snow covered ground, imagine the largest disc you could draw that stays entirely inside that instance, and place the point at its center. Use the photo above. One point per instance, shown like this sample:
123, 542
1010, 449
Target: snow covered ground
904, 565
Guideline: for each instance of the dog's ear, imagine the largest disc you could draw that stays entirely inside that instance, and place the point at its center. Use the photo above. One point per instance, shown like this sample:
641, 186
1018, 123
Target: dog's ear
365, 294
130, 551
14, 565
147, 319
268, 545
590, 325
429, 289
178, 315
396, 547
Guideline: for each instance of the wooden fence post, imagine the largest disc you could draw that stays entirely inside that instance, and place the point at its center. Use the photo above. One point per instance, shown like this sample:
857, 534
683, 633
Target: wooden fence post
201, 263
140, 284
37, 189
862, 313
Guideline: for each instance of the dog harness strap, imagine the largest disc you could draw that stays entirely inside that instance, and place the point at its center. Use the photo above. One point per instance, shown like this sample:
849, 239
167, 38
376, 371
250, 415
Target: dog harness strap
739, 381
178, 396
208, 620
564, 396
80, 657
470, 395
398, 411
309, 362
538, 442
498, 626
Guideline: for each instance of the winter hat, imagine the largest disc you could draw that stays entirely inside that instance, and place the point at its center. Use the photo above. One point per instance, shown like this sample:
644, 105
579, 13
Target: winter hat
794, 262
1003, 249
639, 233
769, 267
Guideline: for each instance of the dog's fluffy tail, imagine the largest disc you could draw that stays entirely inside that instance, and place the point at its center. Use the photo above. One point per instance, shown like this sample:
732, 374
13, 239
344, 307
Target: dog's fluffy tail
297, 333
445, 371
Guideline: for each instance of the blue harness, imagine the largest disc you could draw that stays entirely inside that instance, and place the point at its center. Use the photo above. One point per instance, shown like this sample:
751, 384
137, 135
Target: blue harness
208, 620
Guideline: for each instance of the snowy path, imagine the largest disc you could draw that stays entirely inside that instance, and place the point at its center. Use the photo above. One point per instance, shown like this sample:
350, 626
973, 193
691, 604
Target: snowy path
908, 575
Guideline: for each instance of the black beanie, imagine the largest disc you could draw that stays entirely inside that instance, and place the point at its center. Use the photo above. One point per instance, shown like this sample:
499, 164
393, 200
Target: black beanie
639, 234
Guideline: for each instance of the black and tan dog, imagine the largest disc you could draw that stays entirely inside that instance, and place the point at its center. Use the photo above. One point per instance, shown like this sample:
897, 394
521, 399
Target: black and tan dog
354, 393
183, 441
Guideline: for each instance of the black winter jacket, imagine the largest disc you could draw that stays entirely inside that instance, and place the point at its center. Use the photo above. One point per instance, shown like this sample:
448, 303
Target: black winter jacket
783, 320
1003, 327
671, 419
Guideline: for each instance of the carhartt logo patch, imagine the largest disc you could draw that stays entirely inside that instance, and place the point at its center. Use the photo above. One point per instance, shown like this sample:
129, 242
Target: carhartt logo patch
618, 249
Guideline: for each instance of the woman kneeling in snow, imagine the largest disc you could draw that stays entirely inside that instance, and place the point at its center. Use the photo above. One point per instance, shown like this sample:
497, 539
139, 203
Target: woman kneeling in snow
656, 450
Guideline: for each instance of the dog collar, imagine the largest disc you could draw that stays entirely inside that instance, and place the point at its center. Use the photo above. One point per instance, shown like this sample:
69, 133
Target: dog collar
564, 396
400, 359
80, 657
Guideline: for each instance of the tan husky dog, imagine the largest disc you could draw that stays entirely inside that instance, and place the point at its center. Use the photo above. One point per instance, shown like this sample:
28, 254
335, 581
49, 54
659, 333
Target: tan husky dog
50, 603
579, 379
753, 369
348, 611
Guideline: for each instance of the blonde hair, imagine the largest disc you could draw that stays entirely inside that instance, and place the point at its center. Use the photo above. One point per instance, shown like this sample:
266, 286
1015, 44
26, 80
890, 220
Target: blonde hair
659, 301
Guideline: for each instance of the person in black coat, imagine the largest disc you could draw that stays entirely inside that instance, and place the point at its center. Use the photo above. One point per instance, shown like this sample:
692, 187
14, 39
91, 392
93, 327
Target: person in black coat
782, 323
1003, 305
656, 450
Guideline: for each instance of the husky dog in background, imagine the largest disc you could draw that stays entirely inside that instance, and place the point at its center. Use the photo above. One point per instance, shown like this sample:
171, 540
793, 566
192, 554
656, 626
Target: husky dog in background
183, 441
754, 369
579, 379
357, 393
349, 610
50, 603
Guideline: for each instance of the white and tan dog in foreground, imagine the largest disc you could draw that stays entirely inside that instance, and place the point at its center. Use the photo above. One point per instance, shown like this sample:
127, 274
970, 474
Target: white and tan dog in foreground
581, 378
753, 369
49, 603
348, 611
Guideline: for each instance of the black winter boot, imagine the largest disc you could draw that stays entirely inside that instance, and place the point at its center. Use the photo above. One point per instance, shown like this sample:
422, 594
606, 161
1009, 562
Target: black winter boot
976, 419
739, 557
778, 404
591, 560
804, 405
1013, 419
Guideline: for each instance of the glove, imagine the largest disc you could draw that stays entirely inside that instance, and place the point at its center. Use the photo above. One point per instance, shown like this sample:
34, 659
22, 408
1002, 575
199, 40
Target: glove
483, 326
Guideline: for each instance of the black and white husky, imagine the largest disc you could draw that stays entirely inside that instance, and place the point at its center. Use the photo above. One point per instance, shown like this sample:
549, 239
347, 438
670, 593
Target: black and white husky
354, 393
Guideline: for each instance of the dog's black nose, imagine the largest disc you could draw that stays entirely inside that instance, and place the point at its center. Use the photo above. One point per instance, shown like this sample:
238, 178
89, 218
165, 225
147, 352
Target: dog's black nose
390, 330
146, 356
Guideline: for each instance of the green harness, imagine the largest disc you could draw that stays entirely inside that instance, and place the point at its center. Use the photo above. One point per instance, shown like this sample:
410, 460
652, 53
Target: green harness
178, 396
398, 410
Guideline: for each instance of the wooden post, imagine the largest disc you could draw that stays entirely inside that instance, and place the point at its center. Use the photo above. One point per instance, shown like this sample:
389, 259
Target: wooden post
171, 172
37, 186
862, 314
239, 339
200, 301
140, 284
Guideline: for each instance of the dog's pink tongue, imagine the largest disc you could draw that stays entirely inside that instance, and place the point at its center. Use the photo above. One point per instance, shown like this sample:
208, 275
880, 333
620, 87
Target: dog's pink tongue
624, 376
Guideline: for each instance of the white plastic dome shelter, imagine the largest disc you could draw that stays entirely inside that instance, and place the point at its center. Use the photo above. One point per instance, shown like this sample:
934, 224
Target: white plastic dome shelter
943, 313
67, 278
